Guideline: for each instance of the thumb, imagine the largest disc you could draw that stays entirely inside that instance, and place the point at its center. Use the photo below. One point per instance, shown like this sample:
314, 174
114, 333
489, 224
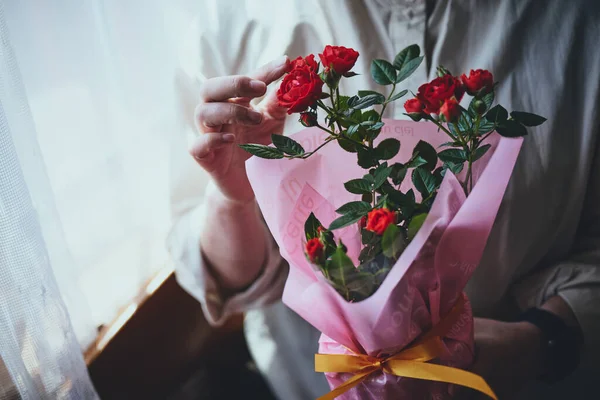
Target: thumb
269, 73
270, 105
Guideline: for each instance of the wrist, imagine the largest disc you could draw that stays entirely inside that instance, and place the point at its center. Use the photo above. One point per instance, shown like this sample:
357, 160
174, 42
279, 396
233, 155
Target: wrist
530, 338
560, 340
217, 199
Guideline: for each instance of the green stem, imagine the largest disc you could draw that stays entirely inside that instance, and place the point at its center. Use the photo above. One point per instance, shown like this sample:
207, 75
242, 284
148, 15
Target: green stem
443, 128
386, 102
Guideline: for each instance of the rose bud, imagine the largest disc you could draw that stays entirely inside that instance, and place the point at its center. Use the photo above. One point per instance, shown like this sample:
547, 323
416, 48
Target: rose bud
450, 109
362, 222
414, 108
314, 250
308, 118
379, 219
340, 58
479, 107
479, 82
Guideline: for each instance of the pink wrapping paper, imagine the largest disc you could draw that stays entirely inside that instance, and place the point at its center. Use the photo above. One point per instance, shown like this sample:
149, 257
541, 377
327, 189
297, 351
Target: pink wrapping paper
424, 283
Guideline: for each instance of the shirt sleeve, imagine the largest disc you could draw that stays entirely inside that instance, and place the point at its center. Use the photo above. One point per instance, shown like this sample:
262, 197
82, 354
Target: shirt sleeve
204, 56
577, 278
195, 277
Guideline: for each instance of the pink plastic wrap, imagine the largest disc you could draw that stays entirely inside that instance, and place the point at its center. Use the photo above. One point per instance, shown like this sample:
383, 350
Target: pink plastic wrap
425, 282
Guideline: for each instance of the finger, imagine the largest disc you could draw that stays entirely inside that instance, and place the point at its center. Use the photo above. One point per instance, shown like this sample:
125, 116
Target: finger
210, 116
268, 74
270, 106
223, 88
201, 147
271, 71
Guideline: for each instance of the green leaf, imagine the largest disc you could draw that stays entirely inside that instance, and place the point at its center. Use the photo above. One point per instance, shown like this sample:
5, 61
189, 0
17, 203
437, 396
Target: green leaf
424, 181
457, 156
381, 175
367, 197
416, 162
488, 99
368, 237
510, 128
363, 93
370, 115
345, 220
480, 151
343, 101
358, 186
392, 241
408, 68
428, 153
397, 96
387, 149
366, 158
352, 101
369, 178
415, 224
381, 200
340, 264
367, 101
485, 126
349, 74
310, 226
409, 53
355, 207
376, 126
261, 151
352, 130
287, 145
464, 121
454, 167
497, 114
438, 174
527, 119
347, 145
383, 72
398, 173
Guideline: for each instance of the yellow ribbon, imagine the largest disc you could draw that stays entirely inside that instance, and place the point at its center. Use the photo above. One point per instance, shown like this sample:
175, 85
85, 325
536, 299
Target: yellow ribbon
411, 362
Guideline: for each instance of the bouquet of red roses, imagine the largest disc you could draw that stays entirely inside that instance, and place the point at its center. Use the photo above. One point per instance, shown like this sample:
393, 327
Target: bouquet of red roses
391, 229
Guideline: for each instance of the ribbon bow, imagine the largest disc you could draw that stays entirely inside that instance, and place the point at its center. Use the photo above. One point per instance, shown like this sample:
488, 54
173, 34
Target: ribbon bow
411, 362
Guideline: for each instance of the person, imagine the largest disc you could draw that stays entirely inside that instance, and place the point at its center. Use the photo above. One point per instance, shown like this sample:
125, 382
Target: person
544, 250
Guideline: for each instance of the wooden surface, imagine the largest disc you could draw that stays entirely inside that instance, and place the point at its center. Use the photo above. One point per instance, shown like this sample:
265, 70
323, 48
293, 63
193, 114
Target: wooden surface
163, 345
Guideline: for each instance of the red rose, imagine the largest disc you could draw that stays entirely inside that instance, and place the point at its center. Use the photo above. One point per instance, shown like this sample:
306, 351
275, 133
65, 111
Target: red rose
301, 87
300, 62
434, 93
314, 250
414, 106
308, 118
477, 80
450, 109
340, 58
379, 219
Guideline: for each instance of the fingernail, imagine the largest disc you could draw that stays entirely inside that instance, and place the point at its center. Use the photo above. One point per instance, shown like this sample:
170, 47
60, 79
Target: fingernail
257, 85
254, 116
228, 137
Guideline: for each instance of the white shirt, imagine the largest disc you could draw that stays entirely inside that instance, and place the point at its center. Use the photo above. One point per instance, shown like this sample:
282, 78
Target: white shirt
546, 239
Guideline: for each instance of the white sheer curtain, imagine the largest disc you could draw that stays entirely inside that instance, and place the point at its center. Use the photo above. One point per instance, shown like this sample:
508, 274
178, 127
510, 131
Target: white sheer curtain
98, 77
86, 121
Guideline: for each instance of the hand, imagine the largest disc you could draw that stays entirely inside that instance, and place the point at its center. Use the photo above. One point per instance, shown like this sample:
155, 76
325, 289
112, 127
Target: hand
508, 355
224, 118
